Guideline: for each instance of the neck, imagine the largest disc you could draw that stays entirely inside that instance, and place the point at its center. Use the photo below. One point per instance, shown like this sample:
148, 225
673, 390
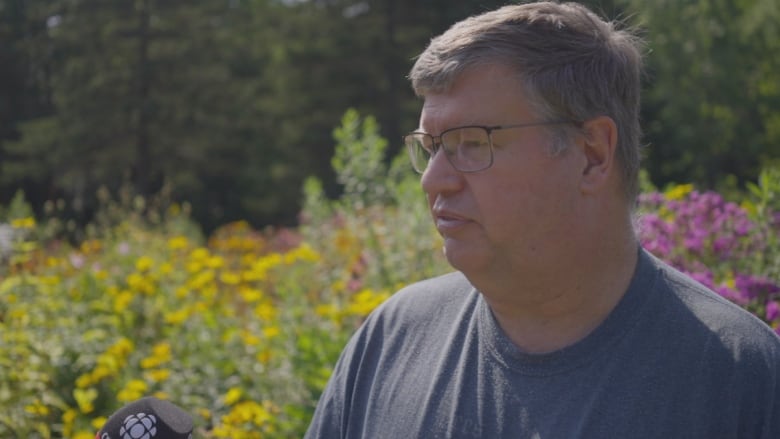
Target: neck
558, 308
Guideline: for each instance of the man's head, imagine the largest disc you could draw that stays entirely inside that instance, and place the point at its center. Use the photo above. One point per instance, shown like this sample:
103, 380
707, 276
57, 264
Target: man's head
571, 65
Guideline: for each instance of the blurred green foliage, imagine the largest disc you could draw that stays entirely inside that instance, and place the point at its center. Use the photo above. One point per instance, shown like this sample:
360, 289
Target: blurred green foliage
230, 105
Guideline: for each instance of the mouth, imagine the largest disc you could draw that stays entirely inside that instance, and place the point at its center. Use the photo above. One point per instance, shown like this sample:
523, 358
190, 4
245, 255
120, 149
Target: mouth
448, 222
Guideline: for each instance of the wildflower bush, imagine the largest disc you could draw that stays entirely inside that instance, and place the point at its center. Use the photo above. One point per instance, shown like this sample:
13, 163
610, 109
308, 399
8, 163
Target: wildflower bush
730, 247
242, 328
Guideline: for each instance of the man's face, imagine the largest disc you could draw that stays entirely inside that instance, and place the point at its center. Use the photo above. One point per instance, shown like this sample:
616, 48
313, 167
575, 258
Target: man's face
519, 214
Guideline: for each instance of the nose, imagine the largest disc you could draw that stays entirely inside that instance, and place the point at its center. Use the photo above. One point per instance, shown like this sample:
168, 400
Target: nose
440, 176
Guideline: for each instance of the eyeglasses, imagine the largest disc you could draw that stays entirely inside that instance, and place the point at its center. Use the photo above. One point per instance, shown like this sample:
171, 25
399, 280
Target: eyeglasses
467, 148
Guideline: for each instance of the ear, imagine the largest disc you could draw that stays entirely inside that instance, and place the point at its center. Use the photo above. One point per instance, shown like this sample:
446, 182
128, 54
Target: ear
599, 143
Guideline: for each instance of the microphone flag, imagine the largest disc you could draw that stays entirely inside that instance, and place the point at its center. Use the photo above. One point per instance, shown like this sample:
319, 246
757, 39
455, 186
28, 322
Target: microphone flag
148, 418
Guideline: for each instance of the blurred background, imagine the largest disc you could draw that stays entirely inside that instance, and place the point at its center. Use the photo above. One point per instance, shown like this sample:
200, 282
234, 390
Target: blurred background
230, 104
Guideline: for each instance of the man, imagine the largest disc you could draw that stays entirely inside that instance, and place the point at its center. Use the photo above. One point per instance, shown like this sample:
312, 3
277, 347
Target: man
556, 324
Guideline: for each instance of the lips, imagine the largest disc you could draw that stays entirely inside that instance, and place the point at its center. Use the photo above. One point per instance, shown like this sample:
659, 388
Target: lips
448, 221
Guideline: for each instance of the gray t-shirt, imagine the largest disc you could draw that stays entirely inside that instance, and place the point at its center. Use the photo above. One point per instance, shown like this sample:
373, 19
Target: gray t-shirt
672, 360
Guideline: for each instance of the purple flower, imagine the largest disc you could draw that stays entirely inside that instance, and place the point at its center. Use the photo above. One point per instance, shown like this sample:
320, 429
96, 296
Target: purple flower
654, 199
703, 277
714, 241
755, 286
772, 311
732, 294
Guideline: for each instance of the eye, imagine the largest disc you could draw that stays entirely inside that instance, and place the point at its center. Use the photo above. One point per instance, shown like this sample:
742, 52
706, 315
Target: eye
472, 143
469, 138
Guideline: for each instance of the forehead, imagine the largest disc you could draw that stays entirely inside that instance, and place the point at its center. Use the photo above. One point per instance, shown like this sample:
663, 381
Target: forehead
481, 95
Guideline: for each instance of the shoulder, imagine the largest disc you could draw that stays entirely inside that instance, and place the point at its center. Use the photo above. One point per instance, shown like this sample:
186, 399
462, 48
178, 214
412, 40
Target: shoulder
696, 309
423, 303
434, 292
707, 339
409, 323
417, 315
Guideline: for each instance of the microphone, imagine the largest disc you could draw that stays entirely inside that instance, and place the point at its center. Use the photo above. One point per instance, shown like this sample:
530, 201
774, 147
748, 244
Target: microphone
148, 418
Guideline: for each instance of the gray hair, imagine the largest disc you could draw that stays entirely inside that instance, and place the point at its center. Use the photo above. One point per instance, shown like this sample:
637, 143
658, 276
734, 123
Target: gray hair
572, 65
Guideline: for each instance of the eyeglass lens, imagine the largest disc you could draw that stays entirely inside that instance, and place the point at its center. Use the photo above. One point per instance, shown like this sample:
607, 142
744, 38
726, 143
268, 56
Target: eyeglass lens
467, 148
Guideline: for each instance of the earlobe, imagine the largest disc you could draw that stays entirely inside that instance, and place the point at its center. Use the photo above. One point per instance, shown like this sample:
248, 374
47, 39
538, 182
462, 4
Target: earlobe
599, 143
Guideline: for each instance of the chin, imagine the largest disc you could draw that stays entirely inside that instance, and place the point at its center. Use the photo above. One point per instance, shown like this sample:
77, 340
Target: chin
466, 259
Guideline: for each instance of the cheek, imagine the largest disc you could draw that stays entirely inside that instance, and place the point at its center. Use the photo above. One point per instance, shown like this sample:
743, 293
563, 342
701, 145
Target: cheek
533, 205
507, 204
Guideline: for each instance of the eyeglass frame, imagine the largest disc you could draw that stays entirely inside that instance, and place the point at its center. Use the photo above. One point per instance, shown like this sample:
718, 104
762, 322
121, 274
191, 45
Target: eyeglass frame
488, 130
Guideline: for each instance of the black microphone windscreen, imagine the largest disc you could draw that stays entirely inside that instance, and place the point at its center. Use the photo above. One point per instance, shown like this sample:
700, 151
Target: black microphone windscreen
148, 418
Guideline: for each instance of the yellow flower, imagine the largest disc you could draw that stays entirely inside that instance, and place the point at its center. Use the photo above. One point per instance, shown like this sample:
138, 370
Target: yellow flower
265, 311
250, 339
248, 412
305, 253
140, 283
201, 307
134, 389
85, 399
233, 395
99, 422
68, 416
84, 435
260, 268
23, 223
270, 332
215, 262
144, 264
123, 347
264, 356
221, 431
230, 278
247, 260
122, 300
158, 375
365, 301
178, 243
182, 292
84, 381
50, 280
250, 295
166, 268
678, 192
749, 207
730, 281
162, 350
199, 254
161, 354
338, 286
19, 315
177, 317
193, 267
201, 280
325, 309
37, 408
328, 310
106, 366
